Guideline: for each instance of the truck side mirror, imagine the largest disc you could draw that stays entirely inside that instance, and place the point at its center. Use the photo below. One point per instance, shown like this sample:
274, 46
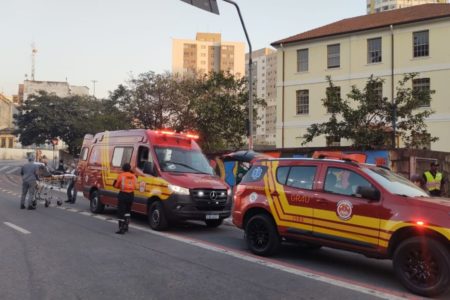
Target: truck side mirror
148, 168
368, 192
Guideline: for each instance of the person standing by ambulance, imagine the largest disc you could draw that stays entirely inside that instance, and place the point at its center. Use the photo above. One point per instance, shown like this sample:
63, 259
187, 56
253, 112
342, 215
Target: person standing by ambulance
434, 180
126, 183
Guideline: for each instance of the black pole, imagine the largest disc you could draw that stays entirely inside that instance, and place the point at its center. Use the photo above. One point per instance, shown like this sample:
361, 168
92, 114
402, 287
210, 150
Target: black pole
250, 79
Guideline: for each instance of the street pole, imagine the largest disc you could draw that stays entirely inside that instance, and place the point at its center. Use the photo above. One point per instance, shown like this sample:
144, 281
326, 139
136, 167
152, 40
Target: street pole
250, 79
93, 82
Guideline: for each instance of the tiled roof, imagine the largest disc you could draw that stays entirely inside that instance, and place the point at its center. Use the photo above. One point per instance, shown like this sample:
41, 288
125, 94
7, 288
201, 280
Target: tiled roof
372, 21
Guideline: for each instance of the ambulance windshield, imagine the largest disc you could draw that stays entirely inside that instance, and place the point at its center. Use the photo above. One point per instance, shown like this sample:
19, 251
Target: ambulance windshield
180, 160
395, 183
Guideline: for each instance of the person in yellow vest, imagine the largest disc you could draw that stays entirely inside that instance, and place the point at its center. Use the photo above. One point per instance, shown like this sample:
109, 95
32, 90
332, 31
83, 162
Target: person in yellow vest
126, 183
434, 180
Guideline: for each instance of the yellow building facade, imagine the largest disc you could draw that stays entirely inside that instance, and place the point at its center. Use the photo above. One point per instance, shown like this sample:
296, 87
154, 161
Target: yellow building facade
386, 45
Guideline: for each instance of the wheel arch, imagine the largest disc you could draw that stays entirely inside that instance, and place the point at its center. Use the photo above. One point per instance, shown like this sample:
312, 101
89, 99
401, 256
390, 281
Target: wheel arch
255, 211
412, 231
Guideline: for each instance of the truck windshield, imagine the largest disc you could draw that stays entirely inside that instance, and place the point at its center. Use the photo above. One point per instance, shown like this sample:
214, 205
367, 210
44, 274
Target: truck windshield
180, 160
395, 183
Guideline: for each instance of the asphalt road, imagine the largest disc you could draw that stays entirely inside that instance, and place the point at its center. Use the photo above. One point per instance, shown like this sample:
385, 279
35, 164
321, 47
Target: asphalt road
65, 252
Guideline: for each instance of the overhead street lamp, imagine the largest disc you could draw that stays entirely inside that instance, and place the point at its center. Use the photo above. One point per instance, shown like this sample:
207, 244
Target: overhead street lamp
211, 6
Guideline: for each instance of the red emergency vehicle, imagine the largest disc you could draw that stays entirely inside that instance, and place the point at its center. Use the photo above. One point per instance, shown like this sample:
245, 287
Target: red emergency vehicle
347, 205
174, 178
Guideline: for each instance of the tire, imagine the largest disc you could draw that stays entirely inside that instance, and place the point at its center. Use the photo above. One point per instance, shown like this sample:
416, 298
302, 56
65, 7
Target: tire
262, 235
59, 202
213, 223
423, 266
96, 206
157, 217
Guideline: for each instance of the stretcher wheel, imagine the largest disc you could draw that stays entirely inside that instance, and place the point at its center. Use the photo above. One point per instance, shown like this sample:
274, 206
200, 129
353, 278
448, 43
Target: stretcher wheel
59, 202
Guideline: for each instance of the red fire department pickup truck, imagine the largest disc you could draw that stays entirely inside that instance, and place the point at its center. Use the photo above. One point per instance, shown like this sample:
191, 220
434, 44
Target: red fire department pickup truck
174, 178
351, 206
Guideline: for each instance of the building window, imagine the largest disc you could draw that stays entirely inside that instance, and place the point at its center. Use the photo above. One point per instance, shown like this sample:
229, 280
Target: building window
373, 50
420, 43
421, 91
334, 53
378, 90
302, 102
302, 60
335, 94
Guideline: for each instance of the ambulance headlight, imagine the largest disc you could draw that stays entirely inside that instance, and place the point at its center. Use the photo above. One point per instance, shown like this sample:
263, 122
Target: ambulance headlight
178, 189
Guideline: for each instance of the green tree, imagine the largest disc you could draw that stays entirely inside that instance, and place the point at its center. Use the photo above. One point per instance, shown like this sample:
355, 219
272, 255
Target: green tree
46, 116
365, 117
149, 100
214, 105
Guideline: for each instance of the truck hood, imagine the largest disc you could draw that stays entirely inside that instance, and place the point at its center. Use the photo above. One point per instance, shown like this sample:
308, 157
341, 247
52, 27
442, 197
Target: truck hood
433, 201
194, 181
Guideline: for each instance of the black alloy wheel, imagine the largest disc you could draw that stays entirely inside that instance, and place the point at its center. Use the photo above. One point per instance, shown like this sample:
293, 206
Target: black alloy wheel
262, 236
423, 266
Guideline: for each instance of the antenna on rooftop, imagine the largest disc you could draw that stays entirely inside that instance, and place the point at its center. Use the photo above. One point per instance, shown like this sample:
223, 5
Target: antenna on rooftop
33, 59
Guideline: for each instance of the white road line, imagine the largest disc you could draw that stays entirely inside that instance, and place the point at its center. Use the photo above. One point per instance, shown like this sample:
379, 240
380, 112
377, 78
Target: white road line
299, 271
20, 229
12, 170
4, 167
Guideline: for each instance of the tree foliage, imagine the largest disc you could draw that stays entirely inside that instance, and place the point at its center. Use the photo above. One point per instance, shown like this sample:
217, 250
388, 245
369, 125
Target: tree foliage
214, 105
44, 117
365, 117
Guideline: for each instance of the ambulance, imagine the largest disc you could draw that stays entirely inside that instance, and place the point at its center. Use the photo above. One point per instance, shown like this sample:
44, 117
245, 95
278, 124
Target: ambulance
174, 179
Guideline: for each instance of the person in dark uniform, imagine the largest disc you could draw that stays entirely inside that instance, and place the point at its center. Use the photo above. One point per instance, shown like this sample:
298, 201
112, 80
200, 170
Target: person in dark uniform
126, 183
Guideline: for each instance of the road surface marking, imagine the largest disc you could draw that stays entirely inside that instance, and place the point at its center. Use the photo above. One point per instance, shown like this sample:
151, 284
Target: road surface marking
295, 270
20, 229
4, 167
12, 170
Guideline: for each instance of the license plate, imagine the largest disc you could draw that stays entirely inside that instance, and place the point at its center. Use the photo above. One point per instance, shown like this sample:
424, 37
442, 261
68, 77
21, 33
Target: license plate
212, 217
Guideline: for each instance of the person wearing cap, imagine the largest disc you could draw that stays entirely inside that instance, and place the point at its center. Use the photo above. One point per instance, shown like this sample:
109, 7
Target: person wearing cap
434, 180
29, 172
126, 183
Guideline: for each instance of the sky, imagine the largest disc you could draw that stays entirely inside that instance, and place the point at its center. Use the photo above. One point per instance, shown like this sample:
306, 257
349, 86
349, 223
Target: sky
108, 41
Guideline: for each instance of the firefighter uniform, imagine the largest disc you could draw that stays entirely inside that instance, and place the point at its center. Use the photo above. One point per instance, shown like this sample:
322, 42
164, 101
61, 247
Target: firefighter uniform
126, 182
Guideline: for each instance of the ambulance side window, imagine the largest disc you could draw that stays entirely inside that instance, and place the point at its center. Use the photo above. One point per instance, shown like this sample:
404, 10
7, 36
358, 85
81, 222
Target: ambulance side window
143, 157
84, 153
121, 155
301, 177
94, 159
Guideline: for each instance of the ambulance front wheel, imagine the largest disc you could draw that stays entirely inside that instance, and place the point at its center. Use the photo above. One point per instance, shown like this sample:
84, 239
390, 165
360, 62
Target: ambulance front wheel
423, 266
96, 204
157, 217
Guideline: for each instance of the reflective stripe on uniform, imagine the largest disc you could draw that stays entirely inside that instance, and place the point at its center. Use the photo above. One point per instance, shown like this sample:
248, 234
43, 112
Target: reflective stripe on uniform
433, 183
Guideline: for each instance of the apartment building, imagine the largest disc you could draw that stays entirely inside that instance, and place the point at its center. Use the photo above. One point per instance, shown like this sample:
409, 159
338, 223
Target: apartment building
264, 87
376, 6
207, 53
386, 45
59, 88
